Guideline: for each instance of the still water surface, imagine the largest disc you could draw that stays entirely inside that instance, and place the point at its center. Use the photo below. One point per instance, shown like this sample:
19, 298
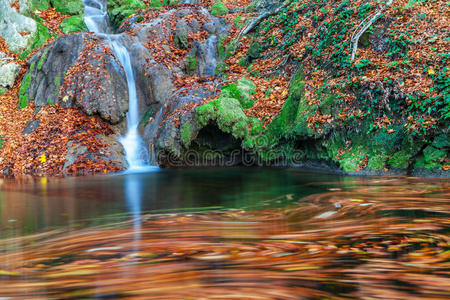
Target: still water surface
225, 234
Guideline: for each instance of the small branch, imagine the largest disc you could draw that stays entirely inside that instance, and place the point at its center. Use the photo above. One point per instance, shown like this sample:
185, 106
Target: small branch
365, 25
255, 22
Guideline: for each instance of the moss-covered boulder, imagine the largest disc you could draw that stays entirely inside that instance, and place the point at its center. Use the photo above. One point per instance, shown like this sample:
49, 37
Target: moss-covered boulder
73, 24
219, 9
241, 90
68, 7
119, 10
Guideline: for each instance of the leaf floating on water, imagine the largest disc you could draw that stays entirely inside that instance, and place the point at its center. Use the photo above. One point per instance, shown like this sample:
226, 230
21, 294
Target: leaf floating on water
8, 273
325, 215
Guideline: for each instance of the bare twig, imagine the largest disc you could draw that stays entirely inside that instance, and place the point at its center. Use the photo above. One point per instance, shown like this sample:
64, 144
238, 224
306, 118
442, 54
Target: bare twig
255, 22
365, 25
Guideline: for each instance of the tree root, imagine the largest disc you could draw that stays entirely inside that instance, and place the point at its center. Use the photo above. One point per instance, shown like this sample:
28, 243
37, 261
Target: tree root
365, 25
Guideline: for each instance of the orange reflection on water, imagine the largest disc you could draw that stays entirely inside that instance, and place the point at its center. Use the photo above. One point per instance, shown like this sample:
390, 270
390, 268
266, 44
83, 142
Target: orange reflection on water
378, 238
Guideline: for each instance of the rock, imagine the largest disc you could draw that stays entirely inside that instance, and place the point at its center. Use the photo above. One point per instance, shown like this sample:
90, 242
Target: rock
31, 126
112, 153
181, 34
8, 74
206, 54
103, 89
17, 30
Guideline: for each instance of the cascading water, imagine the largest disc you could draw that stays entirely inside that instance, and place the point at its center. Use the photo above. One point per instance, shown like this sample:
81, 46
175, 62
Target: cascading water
96, 20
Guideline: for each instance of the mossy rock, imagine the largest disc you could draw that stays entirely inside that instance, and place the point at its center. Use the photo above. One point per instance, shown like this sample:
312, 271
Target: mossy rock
40, 38
350, 161
156, 3
40, 4
73, 24
23, 92
442, 141
434, 155
170, 2
3, 90
400, 160
219, 9
191, 64
186, 134
241, 90
377, 162
68, 7
119, 10
227, 113
254, 51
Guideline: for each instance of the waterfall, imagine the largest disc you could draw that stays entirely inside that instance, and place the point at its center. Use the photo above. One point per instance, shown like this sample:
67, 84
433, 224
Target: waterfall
96, 19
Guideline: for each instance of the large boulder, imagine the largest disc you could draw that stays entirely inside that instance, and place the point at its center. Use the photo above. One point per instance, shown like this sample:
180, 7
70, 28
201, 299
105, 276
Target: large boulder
17, 29
54, 76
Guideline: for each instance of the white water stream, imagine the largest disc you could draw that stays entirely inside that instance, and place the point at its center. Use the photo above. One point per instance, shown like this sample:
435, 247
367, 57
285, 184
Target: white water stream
96, 19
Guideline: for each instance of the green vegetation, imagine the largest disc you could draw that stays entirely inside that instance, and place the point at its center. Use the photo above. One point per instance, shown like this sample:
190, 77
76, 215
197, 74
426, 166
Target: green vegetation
119, 10
219, 9
40, 38
23, 92
68, 7
73, 24
191, 64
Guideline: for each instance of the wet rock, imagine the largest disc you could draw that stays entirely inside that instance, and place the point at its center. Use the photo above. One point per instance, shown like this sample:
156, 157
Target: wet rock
112, 153
102, 90
182, 31
31, 126
206, 54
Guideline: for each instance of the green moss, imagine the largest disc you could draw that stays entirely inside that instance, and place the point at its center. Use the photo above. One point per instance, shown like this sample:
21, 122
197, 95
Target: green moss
186, 134
170, 2
40, 4
237, 22
442, 141
220, 47
1, 141
327, 105
119, 10
350, 161
42, 59
434, 155
149, 113
181, 41
57, 81
40, 38
68, 7
23, 92
155, 3
227, 113
400, 160
191, 64
3, 90
241, 90
230, 49
219, 9
377, 162
254, 51
73, 24
221, 68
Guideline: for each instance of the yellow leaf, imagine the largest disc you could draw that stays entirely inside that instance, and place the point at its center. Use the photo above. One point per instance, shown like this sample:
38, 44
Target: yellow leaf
43, 159
431, 71
8, 273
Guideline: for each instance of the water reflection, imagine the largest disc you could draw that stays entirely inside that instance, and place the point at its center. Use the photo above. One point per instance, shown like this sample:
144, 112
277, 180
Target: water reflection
355, 238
